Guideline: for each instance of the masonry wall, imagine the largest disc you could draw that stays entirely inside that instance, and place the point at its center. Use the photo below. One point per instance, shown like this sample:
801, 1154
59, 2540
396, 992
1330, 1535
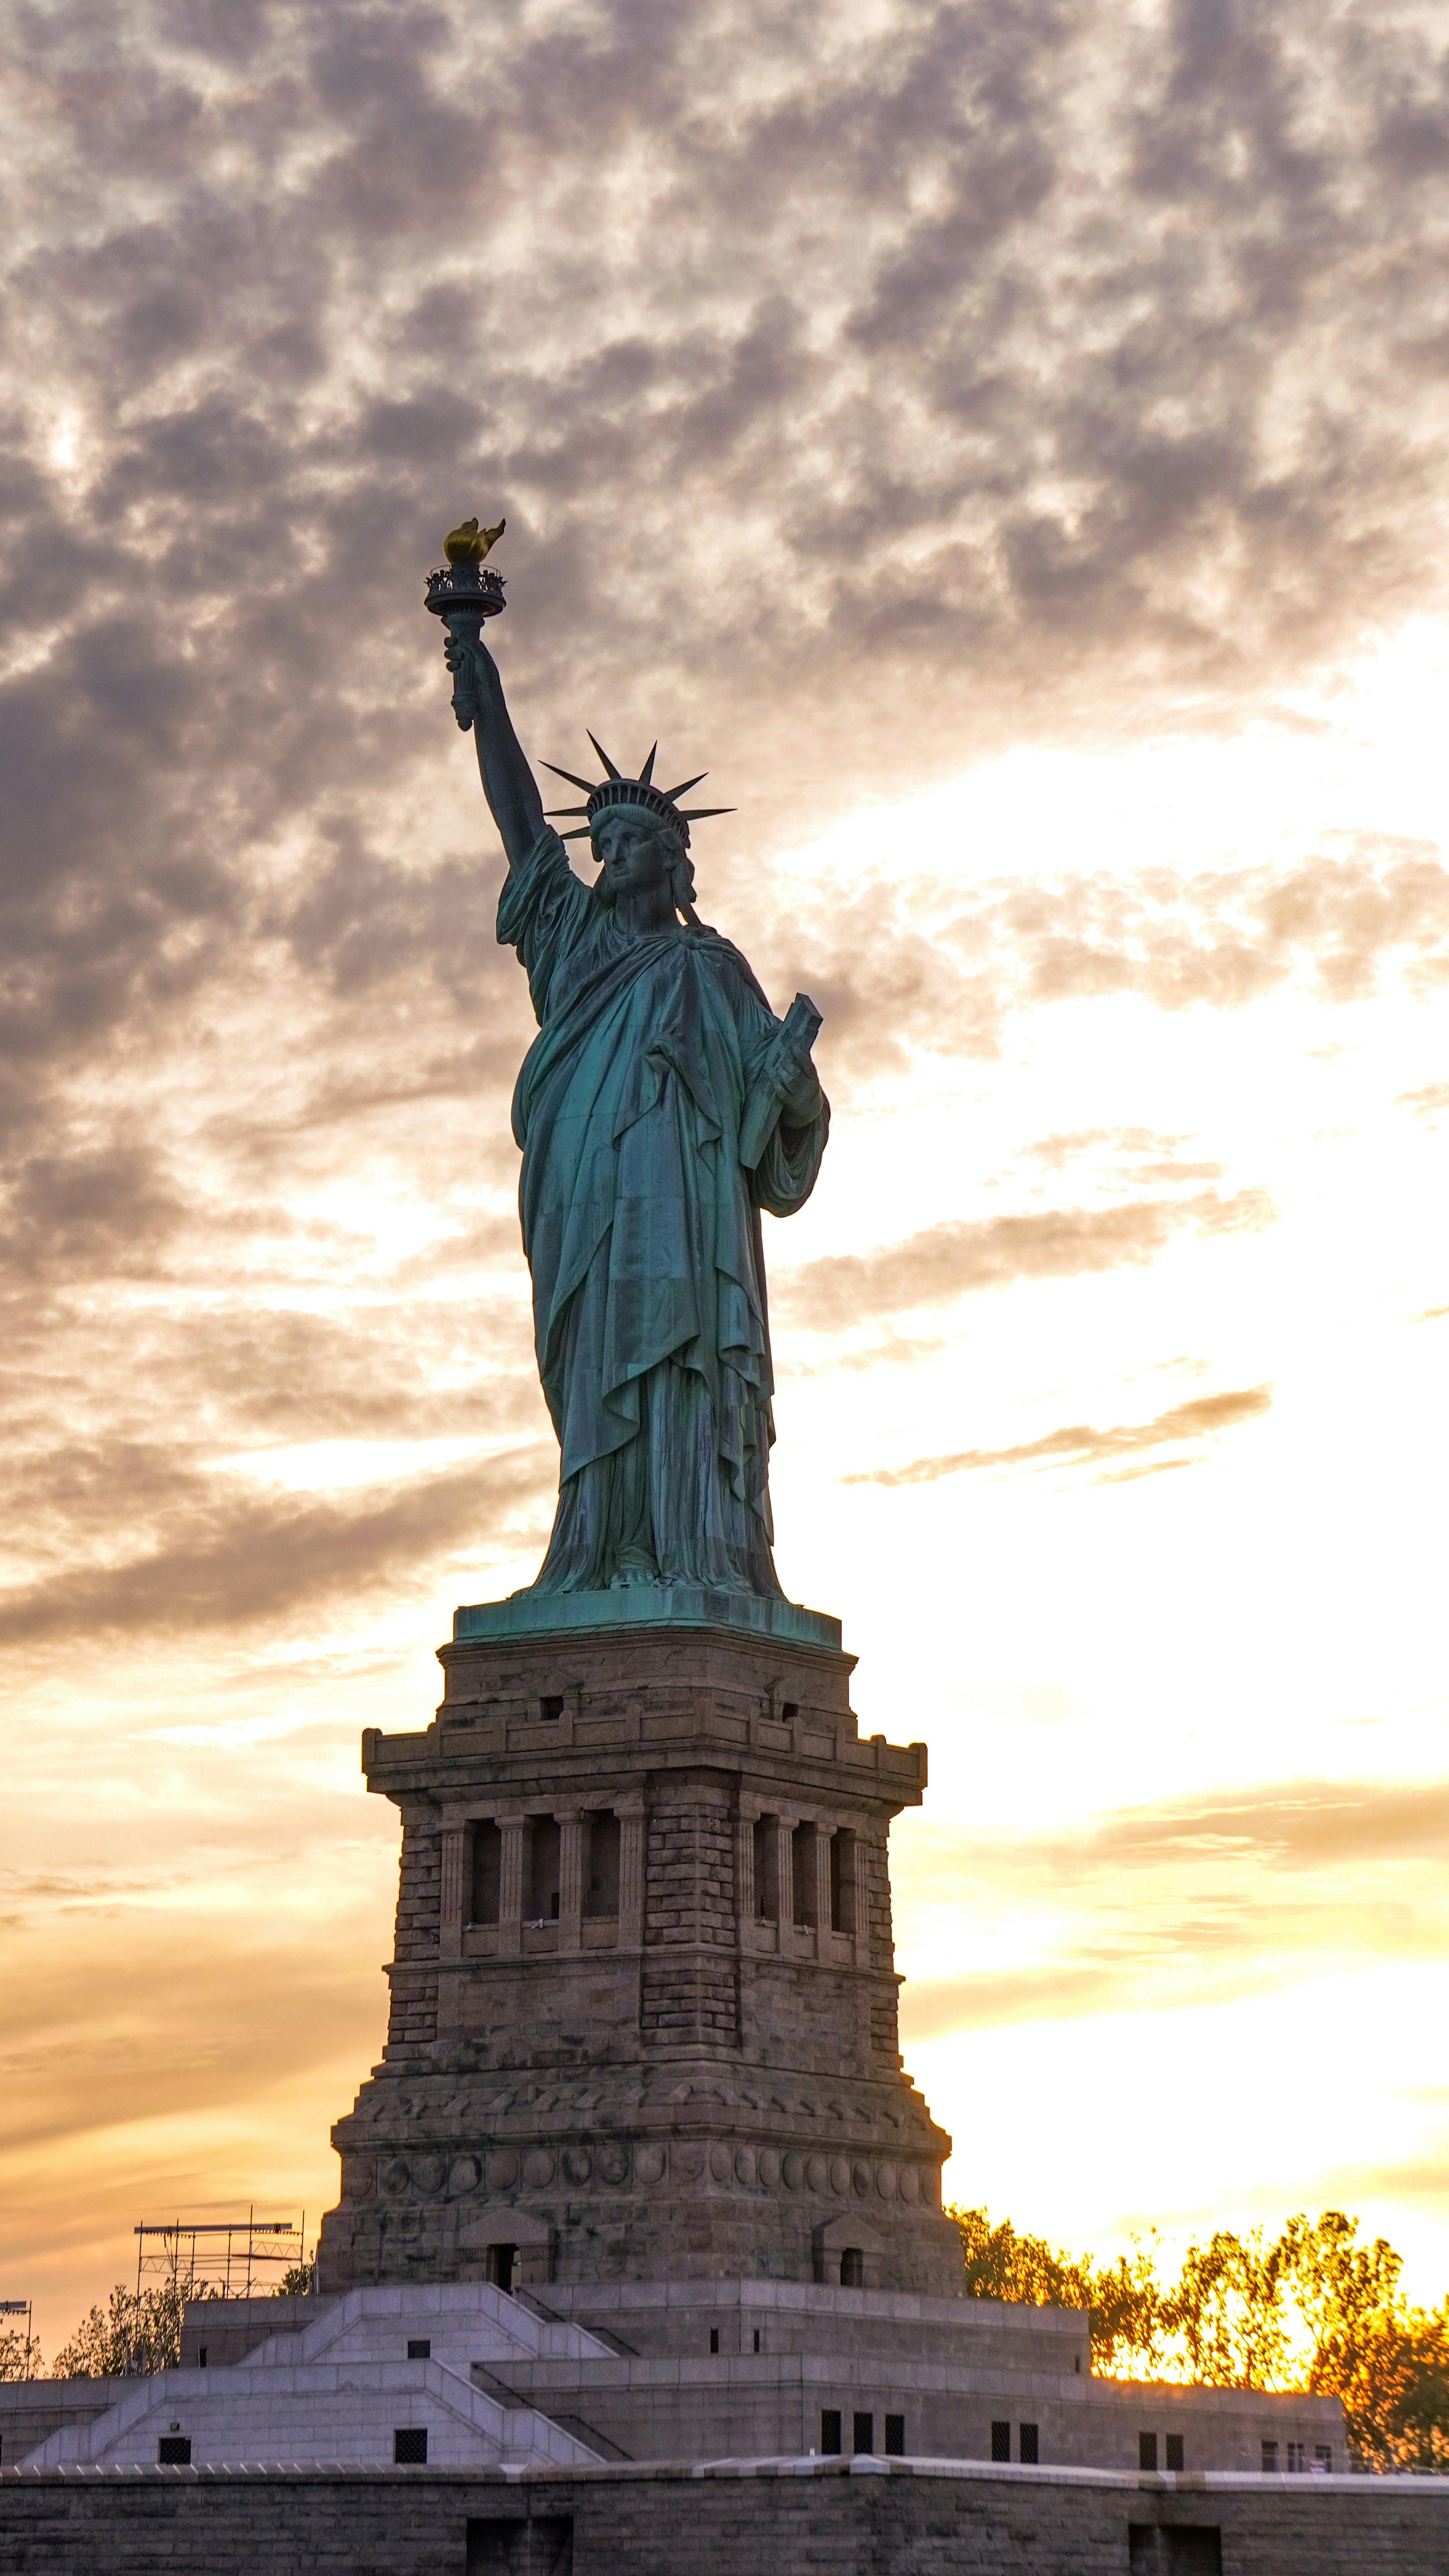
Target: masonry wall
32, 2409
832, 2521
700, 2076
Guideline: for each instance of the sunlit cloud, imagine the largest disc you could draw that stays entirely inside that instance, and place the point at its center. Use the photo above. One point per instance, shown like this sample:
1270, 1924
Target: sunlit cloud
1078, 1444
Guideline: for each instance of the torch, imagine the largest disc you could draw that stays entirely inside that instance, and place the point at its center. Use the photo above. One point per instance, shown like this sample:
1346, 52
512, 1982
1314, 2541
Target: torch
463, 591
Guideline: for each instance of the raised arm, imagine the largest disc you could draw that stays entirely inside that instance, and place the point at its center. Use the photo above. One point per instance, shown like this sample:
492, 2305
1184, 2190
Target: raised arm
508, 782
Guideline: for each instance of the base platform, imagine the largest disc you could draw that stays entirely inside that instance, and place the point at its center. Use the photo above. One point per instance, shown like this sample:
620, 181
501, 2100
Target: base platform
646, 1605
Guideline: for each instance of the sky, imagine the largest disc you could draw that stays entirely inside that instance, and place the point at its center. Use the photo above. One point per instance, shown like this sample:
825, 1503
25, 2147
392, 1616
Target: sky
1006, 444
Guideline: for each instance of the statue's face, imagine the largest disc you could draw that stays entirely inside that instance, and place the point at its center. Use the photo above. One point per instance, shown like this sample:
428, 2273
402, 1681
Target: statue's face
636, 858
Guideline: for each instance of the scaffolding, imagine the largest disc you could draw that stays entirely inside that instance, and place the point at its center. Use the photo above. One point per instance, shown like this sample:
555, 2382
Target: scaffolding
224, 2253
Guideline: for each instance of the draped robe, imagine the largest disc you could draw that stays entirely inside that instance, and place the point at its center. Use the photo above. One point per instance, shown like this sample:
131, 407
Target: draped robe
641, 1227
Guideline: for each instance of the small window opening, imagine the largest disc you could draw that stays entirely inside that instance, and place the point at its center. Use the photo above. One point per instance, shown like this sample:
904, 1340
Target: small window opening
499, 2264
830, 2431
1323, 2457
842, 1882
789, 1708
173, 2451
862, 2437
852, 2267
420, 2348
1174, 2451
1147, 2450
895, 2437
802, 1857
1270, 2459
1001, 2441
487, 1872
201, 2358
767, 1890
757, 2338
1077, 2363
714, 2338
603, 1870
410, 2446
1027, 2448
550, 1708
1297, 2458
541, 1904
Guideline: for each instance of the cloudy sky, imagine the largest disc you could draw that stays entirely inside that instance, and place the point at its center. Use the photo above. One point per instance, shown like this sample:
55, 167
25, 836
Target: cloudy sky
1006, 444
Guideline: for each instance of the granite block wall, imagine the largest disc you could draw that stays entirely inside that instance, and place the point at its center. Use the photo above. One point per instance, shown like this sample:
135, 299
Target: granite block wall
691, 2067
835, 2520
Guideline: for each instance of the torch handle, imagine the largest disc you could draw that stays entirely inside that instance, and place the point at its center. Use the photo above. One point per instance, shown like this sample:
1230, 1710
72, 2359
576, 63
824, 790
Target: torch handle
464, 630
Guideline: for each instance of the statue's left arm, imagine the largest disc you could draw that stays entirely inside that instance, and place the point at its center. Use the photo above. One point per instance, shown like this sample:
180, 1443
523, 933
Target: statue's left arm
786, 1116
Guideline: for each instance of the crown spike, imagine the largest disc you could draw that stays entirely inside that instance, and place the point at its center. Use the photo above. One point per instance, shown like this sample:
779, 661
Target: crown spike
552, 811
582, 834
702, 813
646, 774
587, 784
604, 757
684, 786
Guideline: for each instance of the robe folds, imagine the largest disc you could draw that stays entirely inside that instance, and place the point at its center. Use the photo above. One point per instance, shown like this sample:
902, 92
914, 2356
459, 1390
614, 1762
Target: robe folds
641, 1227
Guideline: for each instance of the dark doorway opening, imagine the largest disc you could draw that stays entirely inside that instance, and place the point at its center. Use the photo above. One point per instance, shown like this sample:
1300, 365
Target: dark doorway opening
500, 2265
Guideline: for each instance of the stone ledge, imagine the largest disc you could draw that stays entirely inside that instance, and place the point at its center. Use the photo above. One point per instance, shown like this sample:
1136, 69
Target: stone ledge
1305, 2488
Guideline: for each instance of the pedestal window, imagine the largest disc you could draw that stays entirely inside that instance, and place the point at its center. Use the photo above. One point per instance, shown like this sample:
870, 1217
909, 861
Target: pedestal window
802, 1857
767, 1883
601, 1881
487, 1873
545, 1852
842, 1882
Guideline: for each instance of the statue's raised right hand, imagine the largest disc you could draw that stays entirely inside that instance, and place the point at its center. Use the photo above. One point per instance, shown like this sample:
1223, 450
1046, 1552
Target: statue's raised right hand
462, 654
470, 663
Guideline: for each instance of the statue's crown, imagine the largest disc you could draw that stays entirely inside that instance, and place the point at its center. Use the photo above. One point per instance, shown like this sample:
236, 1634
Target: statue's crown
615, 789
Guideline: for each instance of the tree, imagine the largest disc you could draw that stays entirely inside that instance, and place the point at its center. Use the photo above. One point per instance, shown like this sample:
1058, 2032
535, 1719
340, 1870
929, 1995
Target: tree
1315, 2309
1123, 2301
1229, 2311
1386, 2360
299, 2282
140, 2331
19, 2355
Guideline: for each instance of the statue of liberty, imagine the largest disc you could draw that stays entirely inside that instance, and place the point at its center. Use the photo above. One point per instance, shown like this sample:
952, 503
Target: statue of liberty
661, 1107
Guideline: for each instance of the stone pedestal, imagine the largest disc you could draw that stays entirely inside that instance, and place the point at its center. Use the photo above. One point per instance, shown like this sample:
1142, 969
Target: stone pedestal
643, 2019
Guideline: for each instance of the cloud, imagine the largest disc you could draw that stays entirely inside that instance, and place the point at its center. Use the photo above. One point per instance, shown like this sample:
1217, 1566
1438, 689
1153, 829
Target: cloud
945, 1262
158, 2025
1182, 1904
222, 1561
888, 385
1303, 1825
1338, 926
95, 1211
1079, 1445
1427, 1101
1148, 1155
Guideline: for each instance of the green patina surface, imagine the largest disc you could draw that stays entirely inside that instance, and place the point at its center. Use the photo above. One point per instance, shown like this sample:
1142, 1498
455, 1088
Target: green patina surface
661, 1112
535, 1613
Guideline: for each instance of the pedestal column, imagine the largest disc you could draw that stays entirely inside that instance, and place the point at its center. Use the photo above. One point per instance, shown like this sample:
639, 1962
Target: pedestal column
630, 1812
785, 1869
453, 1899
513, 1828
745, 1868
822, 1890
570, 1823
